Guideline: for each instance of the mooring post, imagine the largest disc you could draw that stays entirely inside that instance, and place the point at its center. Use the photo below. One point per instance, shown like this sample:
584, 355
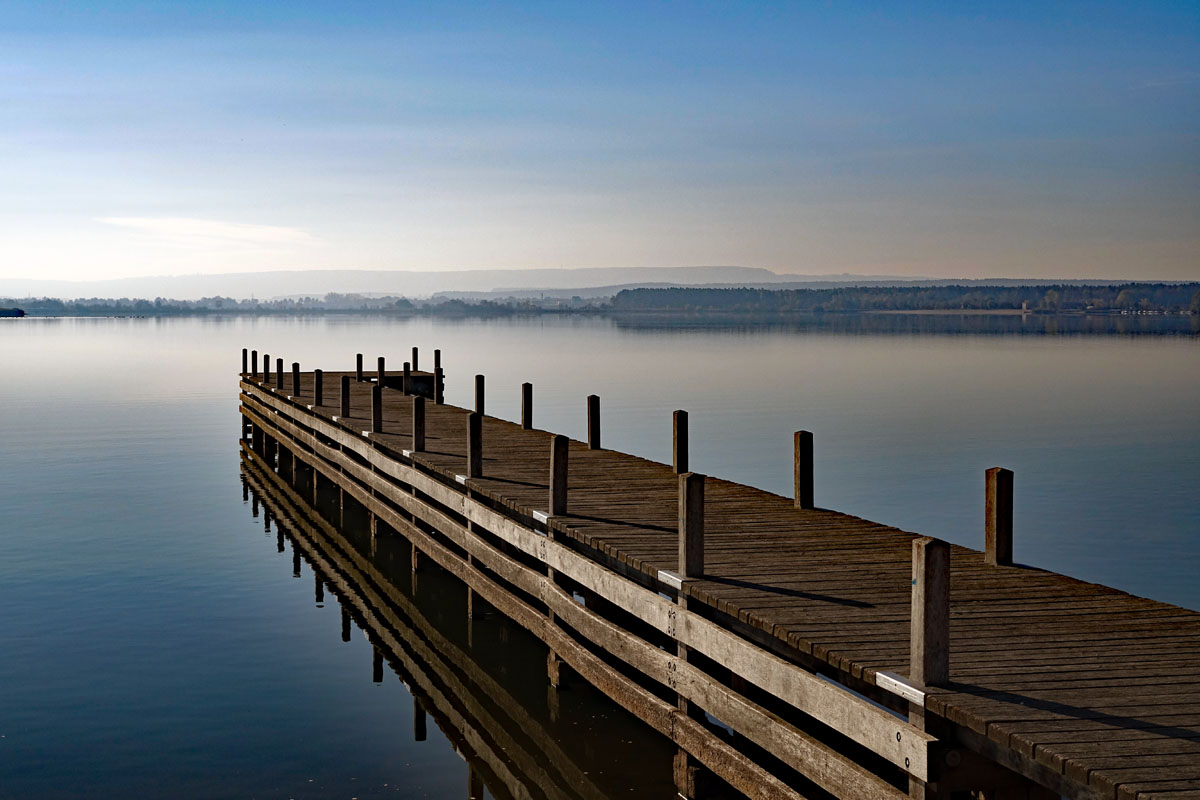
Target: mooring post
438, 392
998, 517
376, 408
318, 387
358, 367
803, 468
406, 384
475, 445
295, 379
380, 372
527, 406
929, 644
437, 358
345, 409
679, 442
253, 363
266, 367
479, 395
245, 359
691, 525
418, 423
559, 448
414, 359
593, 421
279, 374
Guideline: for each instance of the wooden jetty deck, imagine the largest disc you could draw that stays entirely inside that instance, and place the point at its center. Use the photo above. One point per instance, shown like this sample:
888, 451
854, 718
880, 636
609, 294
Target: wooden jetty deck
791, 625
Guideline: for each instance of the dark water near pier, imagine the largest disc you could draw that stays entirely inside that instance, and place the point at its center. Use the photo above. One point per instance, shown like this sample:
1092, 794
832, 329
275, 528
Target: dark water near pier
153, 642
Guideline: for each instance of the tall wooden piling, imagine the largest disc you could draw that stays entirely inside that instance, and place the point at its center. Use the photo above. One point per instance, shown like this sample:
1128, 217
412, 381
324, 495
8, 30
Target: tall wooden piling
802, 457
295, 379
406, 385
437, 359
438, 391
345, 409
475, 445
245, 360
418, 423
593, 421
414, 360
679, 442
998, 517
559, 449
318, 387
279, 374
266, 367
691, 525
376, 408
253, 363
380, 372
358, 367
929, 642
527, 406
479, 408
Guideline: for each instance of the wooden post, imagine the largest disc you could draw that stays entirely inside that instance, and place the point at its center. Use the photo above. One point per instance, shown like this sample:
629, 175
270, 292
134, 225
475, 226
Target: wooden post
345, 410
253, 363
380, 373
245, 359
679, 442
295, 379
418, 423
998, 517
593, 422
438, 393
406, 384
266, 367
475, 445
414, 359
376, 408
803, 471
929, 646
527, 406
318, 387
358, 364
279, 374
479, 395
691, 525
559, 448
437, 358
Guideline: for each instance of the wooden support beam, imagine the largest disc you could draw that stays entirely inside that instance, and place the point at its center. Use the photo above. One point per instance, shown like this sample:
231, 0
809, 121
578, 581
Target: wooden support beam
376, 408
691, 525
593, 421
345, 409
479, 407
318, 387
437, 359
266, 367
418, 423
414, 360
475, 445
559, 448
998, 517
279, 374
438, 391
679, 442
802, 447
527, 406
929, 644
295, 379
358, 367
406, 384
253, 363
245, 360
380, 372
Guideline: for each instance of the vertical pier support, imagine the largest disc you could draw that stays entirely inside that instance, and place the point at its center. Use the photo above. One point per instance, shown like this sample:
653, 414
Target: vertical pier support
295, 379
406, 385
475, 445
929, 647
415, 368
418, 424
998, 517
254, 364
527, 406
245, 360
380, 372
559, 448
802, 455
679, 442
438, 390
345, 399
279, 374
266, 368
376, 408
593, 421
479, 409
692, 780
358, 367
318, 387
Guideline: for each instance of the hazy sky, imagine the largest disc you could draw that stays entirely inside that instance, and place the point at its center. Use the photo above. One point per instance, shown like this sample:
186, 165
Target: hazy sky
964, 139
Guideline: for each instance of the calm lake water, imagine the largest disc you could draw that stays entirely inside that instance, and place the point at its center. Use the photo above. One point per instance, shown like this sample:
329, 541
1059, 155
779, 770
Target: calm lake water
154, 641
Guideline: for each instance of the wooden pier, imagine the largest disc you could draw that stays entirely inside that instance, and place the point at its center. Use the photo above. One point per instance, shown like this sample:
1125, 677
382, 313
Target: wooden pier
788, 650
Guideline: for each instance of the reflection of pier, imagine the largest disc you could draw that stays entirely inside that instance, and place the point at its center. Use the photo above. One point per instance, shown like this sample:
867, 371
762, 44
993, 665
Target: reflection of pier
787, 650
507, 745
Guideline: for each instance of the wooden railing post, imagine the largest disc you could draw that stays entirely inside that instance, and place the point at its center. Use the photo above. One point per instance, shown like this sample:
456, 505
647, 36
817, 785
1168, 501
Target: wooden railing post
414, 360
358, 367
479, 394
295, 379
245, 360
345, 409
406, 385
929, 643
527, 406
253, 363
439, 394
279, 374
998, 517
803, 469
318, 387
475, 445
559, 449
691, 525
266, 368
593, 421
418, 423
376, 408
679, 442
380, 372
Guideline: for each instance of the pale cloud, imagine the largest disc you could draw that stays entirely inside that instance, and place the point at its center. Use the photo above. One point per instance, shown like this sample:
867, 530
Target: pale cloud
190, 232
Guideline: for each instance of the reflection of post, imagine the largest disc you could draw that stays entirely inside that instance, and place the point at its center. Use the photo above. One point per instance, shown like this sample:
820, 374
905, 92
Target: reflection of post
345, 624
318, 588
474, 784
419, 723
295, 561
377, 666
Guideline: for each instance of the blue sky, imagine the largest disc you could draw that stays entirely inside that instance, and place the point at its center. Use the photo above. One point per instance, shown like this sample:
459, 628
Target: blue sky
942, 139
